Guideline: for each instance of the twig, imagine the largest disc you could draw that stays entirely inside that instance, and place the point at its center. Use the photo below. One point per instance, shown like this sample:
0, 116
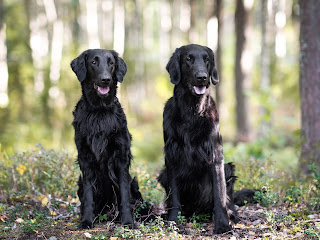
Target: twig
312, 220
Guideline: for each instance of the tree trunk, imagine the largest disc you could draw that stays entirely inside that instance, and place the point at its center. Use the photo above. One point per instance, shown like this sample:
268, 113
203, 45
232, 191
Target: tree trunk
310, 83
241, 76
4, 99
92, 24
218, 56
264, 124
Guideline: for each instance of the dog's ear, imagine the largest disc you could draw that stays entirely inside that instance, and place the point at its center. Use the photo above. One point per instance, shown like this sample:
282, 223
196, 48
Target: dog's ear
79, 67
121, 67
213, 71
173, 67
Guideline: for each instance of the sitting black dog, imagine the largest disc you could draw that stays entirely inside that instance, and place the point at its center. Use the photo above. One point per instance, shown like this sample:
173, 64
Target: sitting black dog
102, 138
194, 173
230, 180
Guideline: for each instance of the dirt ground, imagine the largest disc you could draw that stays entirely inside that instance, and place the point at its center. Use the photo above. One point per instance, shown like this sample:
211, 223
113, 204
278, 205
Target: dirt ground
257, 222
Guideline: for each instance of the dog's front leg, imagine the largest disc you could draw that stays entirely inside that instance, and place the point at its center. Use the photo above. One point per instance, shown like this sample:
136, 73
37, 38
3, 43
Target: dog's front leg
126, 211
88, 204
173, 202
221, 221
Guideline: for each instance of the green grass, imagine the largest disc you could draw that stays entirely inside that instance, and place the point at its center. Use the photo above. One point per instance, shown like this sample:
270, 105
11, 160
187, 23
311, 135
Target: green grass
38, 191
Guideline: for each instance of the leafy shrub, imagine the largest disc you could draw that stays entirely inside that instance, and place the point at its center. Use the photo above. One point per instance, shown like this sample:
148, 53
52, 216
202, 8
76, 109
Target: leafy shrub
266, 197
46, 171
314, 188
150, 188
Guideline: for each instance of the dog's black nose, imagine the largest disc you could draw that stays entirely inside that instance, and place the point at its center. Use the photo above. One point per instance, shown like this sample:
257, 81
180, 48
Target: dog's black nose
201, 76
106, 78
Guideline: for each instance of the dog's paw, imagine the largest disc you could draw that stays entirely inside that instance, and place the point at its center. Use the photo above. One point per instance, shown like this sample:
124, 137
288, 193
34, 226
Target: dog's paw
128, 221
234, 218
85, 225
222, 228
173, 215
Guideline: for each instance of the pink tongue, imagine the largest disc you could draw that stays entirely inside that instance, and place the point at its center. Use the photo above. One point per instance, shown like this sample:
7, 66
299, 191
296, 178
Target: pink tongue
103, 90
199, 90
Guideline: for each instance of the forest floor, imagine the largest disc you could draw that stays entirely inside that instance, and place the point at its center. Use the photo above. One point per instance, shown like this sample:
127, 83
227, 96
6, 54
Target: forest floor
28, 217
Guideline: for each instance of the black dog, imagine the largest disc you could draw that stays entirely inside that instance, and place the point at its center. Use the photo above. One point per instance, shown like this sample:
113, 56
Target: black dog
194, 163
102, 138
230, 180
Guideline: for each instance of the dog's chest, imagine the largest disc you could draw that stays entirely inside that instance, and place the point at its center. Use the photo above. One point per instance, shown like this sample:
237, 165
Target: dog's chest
90, 123
195, 128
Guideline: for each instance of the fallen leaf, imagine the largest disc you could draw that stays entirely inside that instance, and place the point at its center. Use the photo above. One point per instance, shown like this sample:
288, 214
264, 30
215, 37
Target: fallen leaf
114, 238
44, 201
88, 235
267, 234
239, 225
53, 213
19, 220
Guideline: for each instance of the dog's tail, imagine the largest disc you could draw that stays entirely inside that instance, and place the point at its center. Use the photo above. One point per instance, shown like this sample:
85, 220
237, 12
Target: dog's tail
244, 196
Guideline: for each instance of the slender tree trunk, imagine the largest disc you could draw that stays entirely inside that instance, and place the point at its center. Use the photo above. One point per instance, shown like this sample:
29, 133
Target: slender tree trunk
218, 55
56, 41
310, 83
4, 99
241, 76
92, 23
265, 65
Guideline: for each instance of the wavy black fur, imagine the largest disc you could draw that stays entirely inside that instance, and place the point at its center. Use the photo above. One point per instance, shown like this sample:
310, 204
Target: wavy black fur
102, 139
194, 175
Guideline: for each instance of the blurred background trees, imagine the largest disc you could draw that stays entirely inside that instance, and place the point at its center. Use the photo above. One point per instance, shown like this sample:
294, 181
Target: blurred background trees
257, 50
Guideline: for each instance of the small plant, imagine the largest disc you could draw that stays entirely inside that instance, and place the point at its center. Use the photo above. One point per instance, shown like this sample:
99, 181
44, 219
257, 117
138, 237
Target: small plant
182, 219
293, 195
98, 236
197, 219
314, 188
103, 217
266, 197
312, 232
31, 226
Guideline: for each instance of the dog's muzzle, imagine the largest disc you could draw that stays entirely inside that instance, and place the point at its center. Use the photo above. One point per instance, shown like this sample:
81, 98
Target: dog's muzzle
103, 90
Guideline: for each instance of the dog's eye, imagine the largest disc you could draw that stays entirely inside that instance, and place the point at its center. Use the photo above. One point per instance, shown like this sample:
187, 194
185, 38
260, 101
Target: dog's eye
94, 62
111, 63
188, 59
206, 59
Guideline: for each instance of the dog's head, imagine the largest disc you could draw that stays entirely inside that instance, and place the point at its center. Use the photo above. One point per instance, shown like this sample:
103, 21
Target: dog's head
99, 70
193, 66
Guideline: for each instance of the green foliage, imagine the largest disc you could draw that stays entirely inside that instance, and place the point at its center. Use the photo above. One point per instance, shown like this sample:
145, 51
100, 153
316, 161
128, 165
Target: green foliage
31, 226
314, 187
42, 170
103, 217
149, 186
266, 197
156, 229
99, 236
196, 220
181, 219
269, 161
312, 232
293, 195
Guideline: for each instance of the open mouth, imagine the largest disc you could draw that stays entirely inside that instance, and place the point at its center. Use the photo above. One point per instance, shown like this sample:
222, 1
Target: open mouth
102, 90
199, 89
